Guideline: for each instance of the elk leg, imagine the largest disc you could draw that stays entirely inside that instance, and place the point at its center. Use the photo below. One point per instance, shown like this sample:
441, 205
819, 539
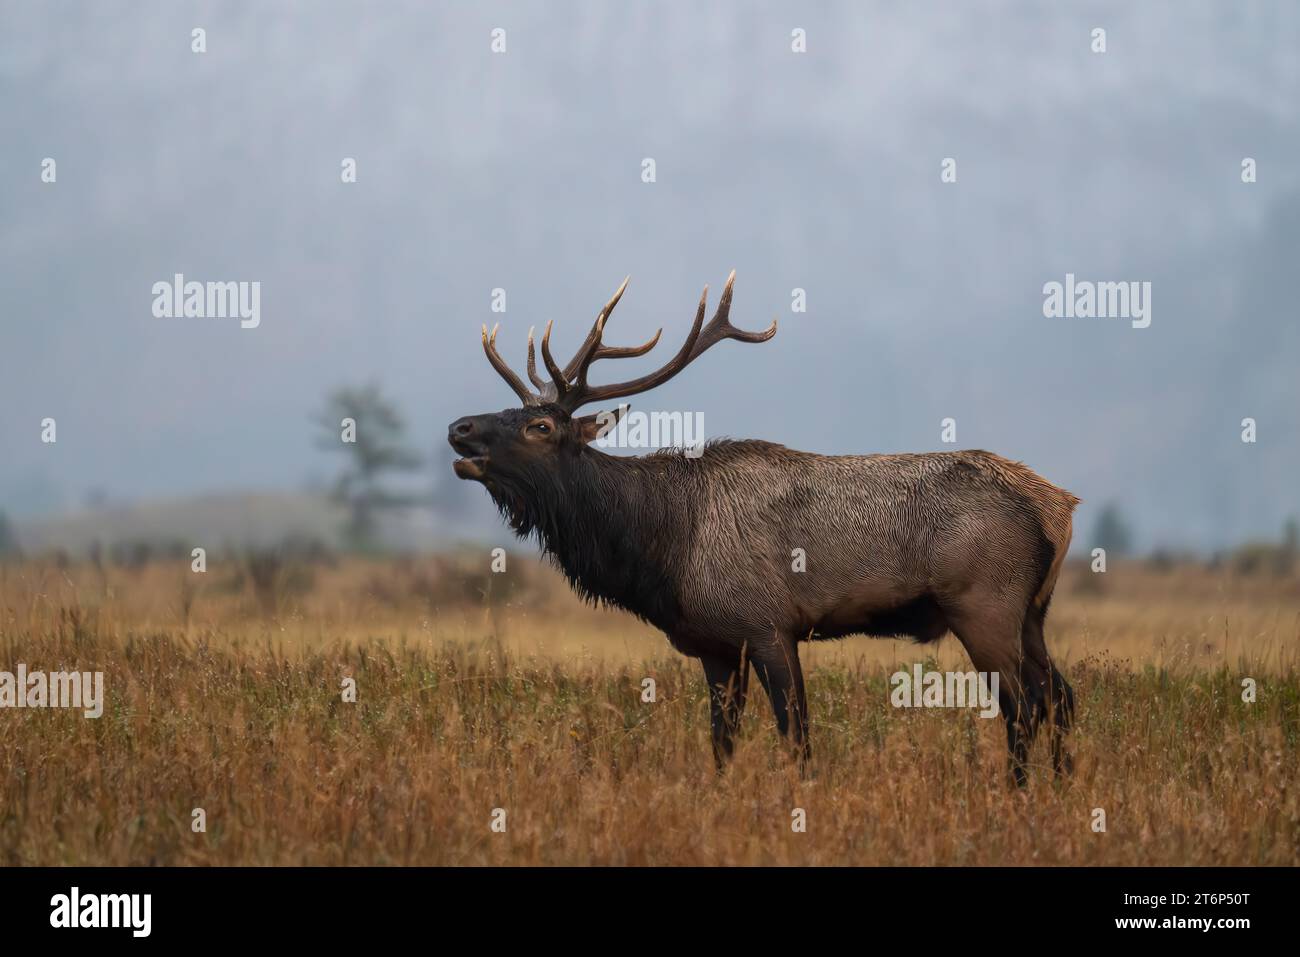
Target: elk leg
727, 674
776, 662
992, 639
1058, 691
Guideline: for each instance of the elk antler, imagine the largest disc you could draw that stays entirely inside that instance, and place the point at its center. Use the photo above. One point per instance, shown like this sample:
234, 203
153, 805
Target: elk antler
696, 343
569, 388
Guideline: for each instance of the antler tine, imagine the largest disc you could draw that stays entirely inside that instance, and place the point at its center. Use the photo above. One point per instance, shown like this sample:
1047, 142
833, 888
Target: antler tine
512, 380
627, 352
720, 326
557, 375
532, 363
597, 329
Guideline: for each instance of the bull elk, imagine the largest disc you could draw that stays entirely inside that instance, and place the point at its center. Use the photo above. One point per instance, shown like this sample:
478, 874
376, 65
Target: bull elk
699, 546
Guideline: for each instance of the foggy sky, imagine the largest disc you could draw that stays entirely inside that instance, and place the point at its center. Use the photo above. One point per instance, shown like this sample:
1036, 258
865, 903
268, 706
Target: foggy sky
522, 171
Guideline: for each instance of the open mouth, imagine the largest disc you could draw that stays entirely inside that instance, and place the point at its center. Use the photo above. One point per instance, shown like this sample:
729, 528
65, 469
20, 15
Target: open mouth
472, 464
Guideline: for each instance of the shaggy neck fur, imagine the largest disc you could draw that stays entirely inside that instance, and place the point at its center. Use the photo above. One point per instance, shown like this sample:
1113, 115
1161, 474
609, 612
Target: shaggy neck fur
614, 527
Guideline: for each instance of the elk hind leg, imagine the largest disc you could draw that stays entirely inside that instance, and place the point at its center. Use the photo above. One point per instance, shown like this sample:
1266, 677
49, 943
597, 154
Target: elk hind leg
1058, 693
776, 663
990, 633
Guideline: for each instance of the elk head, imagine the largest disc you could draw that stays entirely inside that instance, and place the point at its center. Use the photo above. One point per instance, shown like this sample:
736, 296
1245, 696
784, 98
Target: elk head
513, 451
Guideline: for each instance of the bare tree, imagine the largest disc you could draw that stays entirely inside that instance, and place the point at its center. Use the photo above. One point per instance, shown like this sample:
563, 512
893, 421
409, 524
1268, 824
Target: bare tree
368, 428
1112, 532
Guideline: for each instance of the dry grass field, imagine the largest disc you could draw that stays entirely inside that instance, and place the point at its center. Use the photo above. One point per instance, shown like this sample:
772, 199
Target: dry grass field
478, 691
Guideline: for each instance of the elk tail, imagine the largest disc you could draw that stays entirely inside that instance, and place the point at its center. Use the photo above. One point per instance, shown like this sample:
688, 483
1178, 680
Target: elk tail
1055, 507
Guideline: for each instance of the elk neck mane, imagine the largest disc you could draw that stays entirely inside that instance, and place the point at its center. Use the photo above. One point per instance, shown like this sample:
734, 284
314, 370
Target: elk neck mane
618, 527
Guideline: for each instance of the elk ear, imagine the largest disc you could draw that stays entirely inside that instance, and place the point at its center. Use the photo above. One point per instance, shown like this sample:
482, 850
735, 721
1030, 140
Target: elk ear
592, 427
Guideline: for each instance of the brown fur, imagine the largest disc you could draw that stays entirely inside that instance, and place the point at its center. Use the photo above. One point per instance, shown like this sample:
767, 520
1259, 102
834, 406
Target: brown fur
1054, 506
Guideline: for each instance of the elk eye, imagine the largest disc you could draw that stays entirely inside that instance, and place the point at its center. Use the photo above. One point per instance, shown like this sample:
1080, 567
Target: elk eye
541, 427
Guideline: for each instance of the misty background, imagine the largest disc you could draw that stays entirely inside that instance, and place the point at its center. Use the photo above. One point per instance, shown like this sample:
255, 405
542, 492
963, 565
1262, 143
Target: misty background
522, 171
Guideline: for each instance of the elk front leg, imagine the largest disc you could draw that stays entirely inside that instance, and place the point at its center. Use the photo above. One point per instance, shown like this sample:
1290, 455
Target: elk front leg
727, 674
776, 662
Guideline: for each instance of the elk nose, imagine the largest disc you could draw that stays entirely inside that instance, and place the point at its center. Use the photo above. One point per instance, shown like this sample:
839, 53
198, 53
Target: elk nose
461, 429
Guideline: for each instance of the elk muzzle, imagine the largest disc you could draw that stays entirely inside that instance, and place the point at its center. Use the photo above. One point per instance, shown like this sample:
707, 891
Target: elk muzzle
467, 436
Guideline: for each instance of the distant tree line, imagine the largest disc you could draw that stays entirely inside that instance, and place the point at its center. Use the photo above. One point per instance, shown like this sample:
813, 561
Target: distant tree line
1112, 532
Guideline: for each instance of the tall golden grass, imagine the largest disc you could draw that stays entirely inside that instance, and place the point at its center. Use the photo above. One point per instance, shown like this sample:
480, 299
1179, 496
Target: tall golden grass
478, 692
